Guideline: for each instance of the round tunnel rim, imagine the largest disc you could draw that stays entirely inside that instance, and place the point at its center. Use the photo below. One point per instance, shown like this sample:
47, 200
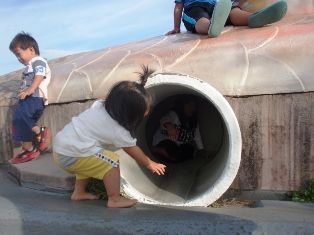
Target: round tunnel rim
230, 120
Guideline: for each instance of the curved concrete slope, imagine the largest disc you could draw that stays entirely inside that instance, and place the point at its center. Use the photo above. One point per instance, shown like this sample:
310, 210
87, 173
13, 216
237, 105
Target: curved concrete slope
241, 62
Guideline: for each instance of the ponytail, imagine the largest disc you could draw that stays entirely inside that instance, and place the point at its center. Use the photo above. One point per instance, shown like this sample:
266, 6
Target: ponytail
144, 75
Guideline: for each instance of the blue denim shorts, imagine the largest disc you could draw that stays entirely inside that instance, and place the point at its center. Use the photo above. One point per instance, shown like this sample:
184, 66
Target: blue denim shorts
27, 113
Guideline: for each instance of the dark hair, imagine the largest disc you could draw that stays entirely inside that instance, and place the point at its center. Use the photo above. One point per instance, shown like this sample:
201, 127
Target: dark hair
127, 102
24, 41
181, 100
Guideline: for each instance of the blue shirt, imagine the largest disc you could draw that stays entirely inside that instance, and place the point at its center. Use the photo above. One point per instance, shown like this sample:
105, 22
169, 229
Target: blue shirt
189, 2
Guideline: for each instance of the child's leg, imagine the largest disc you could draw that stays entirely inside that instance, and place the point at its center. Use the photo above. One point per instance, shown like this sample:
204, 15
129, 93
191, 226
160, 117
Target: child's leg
27, 113
238, 17
22, 122
36, 129
27, 145
167, 149
42, 138
202, 25
205, 18
161, 152
187, 151
42, 134
22, 125
72, 166
112, 183
80, 193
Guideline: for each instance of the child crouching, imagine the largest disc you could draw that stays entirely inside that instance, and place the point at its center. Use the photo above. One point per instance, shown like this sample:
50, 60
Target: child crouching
85, 146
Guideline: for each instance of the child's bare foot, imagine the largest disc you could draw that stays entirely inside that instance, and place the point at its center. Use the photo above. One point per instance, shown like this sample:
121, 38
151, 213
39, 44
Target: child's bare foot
120, 202
83, 196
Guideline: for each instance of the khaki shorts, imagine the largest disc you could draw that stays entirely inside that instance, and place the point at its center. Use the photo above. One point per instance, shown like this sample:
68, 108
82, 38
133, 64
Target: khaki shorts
95, 166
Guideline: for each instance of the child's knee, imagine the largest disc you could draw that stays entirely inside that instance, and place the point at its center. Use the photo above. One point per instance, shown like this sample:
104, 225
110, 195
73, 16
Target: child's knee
202, 25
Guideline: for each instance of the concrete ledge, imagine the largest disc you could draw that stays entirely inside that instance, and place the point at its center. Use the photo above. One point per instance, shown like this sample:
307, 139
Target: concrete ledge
42, 174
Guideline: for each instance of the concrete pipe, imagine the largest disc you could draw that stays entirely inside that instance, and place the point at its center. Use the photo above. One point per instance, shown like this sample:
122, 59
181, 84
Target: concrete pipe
196, 182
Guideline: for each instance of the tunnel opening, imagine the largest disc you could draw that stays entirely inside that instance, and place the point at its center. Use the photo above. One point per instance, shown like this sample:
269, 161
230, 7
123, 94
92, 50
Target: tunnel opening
198, 181
209, 121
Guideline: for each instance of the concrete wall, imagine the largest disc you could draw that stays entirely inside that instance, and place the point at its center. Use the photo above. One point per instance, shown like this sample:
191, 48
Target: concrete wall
277, 138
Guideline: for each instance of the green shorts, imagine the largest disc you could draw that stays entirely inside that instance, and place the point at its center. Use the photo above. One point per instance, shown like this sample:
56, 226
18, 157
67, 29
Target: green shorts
95, 166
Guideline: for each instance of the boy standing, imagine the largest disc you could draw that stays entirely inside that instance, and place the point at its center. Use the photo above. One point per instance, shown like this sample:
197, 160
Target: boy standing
209, 16
33, 98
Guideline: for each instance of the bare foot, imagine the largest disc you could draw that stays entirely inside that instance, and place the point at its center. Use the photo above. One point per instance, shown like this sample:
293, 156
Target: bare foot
83, 196
120, 202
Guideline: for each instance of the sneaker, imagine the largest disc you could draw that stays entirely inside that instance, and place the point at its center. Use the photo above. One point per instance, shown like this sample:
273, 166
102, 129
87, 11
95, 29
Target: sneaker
219, 18
25, 156
43, 139
268, 15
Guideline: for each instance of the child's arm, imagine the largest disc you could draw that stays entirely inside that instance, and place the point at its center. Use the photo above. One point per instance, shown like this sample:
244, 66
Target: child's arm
37, 80
137, 154
173, 132
167, 122
177, 14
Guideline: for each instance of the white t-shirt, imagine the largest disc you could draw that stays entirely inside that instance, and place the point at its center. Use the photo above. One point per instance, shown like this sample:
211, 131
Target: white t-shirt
37, 66
90, 132
184, 136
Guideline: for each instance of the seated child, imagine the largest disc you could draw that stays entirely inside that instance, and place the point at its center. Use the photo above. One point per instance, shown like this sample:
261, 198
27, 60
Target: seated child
172, 141
210, 16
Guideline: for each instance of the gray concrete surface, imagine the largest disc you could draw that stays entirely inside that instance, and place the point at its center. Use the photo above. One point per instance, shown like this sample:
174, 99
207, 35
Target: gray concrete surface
42, 174
28, 211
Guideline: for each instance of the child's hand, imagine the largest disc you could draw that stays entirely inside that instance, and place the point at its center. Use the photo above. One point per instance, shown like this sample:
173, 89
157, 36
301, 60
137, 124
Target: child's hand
173, 31
154, 167
25, 93
137, 154
31, 89
173, 132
